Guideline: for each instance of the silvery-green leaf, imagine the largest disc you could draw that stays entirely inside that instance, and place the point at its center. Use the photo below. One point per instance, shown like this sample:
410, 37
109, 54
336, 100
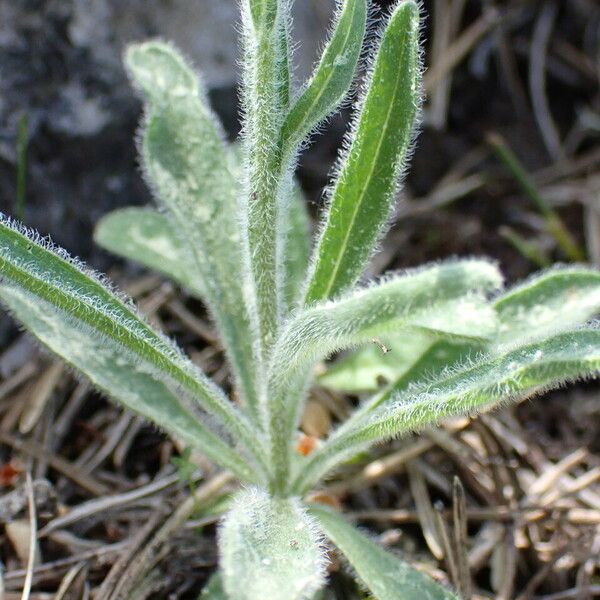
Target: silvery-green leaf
386, 361
436, 297
548, 302
362, 197
149, 238
118, 375
270, 548
50, 275
402, 301
265, 102
384, 574
333, 76
485, 381
190, 169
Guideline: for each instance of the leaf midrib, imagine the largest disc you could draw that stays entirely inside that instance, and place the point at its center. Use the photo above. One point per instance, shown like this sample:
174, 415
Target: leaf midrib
357, 205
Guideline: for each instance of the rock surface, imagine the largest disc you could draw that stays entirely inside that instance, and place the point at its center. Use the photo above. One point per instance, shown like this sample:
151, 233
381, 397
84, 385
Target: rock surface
61, 66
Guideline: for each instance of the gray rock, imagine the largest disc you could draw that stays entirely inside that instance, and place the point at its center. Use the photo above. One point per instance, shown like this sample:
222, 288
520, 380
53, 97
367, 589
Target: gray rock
60, 64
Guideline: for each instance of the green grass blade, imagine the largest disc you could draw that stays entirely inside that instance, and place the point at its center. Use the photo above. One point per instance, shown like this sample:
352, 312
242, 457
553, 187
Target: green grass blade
488, 380
332, 78
549, 302
190, 168
362, 197
50, 276
270, 548
385, 575
148, 237
114, 372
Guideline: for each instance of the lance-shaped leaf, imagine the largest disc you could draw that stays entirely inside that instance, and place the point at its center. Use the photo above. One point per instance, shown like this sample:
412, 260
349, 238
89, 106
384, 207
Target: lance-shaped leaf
333, 76
266, 77
488, 380
188, 166
433, 298
385, 575
50, 276
149, 238
554, 301
362, 197
270, 548
119, 376
402, 357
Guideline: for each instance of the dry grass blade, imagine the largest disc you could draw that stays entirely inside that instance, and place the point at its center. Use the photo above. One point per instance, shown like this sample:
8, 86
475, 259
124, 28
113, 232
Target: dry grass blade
148, 557
74, 576
459, 504
108, 503
460, 48
39, 396
425, 509
32, 537
56, 462
537, 79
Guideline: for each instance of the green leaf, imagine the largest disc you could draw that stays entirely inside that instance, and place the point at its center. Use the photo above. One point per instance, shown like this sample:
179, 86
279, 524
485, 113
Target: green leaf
549, 302
486, 381
296, 247
270, 548
149, 238
384, 574
402, 357
191, 170
332, 78
265, 102
52, 277
214, 590
118, 375
436, 298
400, 302
264, 13
363, 195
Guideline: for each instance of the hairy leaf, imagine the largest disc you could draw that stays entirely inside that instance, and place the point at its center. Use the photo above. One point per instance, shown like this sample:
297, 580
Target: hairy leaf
296, 247
118, 375
50, 276
384, 574
363, 195
266, 79
270, 549
435, 298
549, 302
398, 303
486, 381
190, 169
333, 76
369, 367
149, 238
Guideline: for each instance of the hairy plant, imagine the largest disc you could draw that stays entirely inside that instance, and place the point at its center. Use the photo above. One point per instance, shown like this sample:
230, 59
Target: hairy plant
232, 229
